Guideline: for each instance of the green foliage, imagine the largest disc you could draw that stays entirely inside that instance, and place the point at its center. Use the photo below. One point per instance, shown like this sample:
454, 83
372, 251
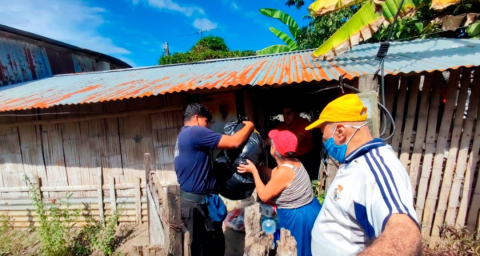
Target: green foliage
454, 241
213, 43
207, 48
188, 57
13, 241
56, 224
323, 27
94, 236
318, 192
474, 30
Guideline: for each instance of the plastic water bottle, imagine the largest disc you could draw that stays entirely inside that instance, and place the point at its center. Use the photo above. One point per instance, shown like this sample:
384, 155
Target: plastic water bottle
269, 226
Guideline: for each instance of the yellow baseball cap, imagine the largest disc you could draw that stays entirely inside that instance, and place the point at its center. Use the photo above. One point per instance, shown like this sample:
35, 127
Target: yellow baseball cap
348, 108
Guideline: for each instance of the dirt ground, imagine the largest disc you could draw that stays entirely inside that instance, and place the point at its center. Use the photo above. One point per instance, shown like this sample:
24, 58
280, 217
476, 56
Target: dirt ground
137, 241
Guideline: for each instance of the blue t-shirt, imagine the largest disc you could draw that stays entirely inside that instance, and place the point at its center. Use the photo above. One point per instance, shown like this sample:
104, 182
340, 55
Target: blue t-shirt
193, 164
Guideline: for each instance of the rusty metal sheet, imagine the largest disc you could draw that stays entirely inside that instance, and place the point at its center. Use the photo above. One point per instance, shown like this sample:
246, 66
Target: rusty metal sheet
21, 61
286, 68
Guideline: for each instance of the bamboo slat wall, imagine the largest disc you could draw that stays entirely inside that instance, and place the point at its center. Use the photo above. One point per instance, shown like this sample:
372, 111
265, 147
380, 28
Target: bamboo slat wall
438, 141
67, 154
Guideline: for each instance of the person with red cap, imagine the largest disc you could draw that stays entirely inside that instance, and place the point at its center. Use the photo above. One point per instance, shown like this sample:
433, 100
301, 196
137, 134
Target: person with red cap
289, 188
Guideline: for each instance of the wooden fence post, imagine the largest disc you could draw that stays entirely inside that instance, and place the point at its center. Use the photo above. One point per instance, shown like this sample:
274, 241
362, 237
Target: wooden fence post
113, 197
138, 200
146, 162
100, 195
174, 220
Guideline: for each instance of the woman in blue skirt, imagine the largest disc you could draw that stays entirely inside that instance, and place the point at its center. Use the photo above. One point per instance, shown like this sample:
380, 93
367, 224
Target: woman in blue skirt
289, 188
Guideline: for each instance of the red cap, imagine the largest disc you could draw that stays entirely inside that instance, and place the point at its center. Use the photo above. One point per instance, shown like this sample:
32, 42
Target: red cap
284, 141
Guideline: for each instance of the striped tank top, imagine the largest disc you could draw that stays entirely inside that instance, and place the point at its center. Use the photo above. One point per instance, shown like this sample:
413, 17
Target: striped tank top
299, 193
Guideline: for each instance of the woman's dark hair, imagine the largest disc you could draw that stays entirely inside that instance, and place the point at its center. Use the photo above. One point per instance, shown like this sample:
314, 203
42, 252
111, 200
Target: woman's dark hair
196, 109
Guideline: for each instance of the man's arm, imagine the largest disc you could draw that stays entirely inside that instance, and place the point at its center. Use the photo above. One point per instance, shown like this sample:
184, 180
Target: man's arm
401, 236
237, 139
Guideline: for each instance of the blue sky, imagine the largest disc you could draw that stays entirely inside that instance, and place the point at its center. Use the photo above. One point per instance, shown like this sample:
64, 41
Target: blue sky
135, 30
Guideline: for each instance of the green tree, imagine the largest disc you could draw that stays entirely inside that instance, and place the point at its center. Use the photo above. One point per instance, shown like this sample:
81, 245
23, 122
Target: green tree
213, 43
207, 48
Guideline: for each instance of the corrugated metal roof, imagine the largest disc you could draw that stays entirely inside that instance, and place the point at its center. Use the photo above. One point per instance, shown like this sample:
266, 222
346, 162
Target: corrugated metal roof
286, 68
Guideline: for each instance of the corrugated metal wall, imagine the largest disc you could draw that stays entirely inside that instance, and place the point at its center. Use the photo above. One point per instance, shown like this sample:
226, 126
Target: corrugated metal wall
21, 61
24, 59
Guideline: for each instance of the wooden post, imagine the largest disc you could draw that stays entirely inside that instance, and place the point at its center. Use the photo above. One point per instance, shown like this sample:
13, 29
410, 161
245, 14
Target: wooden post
391, 87
287, 245
146, 162
174, 219
138, 200
367, 83
113, 197
256, 242
100, 195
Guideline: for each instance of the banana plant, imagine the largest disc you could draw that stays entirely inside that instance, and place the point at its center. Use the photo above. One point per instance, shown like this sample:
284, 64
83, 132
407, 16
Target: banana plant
363, 24
290, 43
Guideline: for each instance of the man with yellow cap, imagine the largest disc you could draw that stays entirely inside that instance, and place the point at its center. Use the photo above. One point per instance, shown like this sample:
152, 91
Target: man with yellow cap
368, 208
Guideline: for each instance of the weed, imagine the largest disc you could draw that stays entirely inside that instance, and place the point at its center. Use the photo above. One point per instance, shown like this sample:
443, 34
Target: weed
318, 192
56, 224
455, 241
12, 241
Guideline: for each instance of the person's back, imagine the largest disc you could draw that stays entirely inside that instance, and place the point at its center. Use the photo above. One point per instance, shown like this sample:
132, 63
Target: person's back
193, 166
193, 159
299, 193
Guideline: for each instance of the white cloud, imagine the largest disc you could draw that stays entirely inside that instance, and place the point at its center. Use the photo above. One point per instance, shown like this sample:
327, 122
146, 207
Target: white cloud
204, 24
72, 21
172, 6
235, 6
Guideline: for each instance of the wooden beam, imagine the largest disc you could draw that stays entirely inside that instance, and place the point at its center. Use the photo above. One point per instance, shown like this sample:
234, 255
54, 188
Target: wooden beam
93, 117
100, 195
175, 244
113, 196
367, 83
138, 194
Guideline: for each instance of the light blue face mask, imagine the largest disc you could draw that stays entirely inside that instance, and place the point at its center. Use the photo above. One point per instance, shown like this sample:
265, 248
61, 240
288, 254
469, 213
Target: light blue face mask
338, 152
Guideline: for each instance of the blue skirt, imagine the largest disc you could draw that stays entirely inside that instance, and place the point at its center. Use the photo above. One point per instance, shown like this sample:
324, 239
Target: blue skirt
300, 223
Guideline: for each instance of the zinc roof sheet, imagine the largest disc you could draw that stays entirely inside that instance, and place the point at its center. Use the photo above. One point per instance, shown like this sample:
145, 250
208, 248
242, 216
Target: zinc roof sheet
286, 68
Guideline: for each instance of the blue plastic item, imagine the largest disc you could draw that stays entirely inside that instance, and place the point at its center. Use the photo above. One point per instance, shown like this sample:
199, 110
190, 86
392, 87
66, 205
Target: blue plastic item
269, 226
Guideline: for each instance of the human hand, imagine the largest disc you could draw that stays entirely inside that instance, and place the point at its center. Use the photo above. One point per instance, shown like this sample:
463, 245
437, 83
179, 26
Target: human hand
248, 123
247, 168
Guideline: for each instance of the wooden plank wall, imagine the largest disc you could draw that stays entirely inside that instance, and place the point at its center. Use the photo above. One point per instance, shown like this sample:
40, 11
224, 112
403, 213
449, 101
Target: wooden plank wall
441, 149
67, 154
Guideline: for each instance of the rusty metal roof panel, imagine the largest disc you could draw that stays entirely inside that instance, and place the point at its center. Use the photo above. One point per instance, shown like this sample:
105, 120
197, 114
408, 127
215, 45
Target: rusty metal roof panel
285, 68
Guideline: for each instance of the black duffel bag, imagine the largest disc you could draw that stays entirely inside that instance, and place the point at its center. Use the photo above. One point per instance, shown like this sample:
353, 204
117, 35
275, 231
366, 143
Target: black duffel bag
231, 184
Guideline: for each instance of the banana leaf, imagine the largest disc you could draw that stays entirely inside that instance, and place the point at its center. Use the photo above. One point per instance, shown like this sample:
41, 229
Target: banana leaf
274, 49
322, 7
292, 45
442, 4
284, 18
390, 7
361, 26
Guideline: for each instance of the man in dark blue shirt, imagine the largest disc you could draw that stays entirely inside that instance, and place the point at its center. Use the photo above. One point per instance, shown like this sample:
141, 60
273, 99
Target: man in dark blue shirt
194, 168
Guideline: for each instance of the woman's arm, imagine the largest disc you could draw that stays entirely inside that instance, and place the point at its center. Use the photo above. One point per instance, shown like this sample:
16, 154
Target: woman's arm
281, 178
